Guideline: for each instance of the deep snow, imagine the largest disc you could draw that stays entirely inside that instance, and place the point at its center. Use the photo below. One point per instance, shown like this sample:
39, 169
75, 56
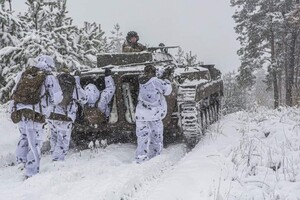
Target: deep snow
246, 155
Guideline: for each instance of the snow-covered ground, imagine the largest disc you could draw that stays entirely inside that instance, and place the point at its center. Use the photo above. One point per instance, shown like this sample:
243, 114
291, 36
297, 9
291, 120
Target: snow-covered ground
246, 155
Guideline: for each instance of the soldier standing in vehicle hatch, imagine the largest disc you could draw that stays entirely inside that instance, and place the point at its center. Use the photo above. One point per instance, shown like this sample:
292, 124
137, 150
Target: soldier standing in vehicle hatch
131, 44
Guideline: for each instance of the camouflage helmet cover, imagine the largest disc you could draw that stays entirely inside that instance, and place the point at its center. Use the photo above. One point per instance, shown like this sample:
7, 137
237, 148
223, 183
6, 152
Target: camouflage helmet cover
131, 34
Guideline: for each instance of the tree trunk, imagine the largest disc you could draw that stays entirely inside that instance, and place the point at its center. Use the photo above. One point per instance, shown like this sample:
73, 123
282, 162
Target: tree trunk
274, 70
290, 71
280, 99
10, 7
296, 71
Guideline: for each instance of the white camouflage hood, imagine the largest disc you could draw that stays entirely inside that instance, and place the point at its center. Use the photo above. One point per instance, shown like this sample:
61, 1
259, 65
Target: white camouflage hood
45, 62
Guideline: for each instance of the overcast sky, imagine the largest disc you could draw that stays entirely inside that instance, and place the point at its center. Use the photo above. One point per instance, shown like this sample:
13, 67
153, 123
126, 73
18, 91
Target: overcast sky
203, 26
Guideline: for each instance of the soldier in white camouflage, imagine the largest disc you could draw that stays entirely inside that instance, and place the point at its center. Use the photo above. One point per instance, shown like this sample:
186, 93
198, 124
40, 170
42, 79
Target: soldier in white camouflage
99, 100
30, 113
131, 44
63, 115
150, 110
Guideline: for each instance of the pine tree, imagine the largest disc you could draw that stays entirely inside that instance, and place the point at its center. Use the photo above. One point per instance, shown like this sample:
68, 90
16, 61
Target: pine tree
268, 38
116, 39
179, 56
245, 78
46, 30
262, 96
292, 39
65, 35
11, 30
92, 41
10, 27
234, 95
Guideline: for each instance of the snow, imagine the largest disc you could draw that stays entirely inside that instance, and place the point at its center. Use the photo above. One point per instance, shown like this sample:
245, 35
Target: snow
92, 58
121, 68
179, 71
7, 50
234, 160
158, 56
9, 138
188, 82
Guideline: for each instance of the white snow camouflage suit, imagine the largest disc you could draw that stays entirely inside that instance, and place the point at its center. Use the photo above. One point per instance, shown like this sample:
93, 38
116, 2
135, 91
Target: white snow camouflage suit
61, 130
150, 110
106, 95
31, 133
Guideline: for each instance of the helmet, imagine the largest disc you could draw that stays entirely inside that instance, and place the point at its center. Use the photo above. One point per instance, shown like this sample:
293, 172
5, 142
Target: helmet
45, 62
131, 34
64, 69
150, 70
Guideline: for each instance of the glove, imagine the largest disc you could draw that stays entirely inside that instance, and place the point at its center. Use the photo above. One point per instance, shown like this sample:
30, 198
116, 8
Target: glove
107, 72
77, 73
167, 73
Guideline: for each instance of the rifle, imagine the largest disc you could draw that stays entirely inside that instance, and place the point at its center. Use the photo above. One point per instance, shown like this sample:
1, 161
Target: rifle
162, 48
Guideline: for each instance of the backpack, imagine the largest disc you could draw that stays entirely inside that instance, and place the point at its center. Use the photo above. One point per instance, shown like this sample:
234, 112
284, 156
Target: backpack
92, 115
67, 84
28, 90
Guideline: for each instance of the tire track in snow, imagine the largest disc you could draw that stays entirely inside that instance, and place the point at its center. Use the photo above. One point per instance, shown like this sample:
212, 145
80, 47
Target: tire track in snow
141, 176
110, 173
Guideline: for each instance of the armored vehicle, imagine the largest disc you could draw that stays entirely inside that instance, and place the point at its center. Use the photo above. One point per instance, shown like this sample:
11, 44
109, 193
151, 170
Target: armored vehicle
193, 105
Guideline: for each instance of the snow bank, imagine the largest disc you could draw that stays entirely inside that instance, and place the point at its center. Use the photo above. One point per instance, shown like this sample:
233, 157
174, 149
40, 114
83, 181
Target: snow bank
267, 158
246, 155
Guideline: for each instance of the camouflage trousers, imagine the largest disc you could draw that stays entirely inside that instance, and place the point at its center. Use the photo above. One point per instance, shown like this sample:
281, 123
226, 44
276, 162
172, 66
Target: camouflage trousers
149, 139
29, 145
60, 138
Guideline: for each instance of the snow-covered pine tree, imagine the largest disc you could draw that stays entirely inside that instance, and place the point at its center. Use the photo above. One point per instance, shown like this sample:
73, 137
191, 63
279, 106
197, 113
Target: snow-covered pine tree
45, 28
11, 30
234, 95
65, 34
116, 39
10, 26
48, 31
269, 31
51, 32
259, 26
92, 41
38, 38
261, 95
246, 77
179, 56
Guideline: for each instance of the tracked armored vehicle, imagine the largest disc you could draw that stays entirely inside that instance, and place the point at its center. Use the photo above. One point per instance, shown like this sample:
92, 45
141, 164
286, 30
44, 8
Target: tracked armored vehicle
193, 105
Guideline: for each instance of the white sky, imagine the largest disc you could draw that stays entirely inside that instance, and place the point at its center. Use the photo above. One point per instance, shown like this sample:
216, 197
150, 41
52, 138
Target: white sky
203, 26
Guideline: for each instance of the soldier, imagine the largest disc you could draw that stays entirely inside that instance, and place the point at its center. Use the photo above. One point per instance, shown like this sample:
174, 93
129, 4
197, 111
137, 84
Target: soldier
163, 50
35, 92
63, 115
99, 101
131, 44
150, 110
